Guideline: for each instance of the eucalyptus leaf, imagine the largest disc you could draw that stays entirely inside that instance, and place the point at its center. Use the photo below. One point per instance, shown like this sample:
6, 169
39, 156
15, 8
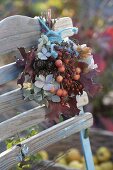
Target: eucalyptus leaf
36, 89
38, 97
26, 93
49, 97
46, 93
46, 102
31, 97
56, 99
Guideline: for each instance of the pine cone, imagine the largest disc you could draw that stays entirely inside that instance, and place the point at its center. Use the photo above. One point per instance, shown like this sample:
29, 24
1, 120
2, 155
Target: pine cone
40, 64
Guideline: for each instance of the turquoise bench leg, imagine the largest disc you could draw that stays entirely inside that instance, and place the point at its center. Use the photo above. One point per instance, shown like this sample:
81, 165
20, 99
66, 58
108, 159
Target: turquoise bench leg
86, 148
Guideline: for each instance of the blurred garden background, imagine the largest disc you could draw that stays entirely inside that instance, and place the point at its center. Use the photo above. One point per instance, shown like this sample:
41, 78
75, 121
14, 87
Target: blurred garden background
94, 18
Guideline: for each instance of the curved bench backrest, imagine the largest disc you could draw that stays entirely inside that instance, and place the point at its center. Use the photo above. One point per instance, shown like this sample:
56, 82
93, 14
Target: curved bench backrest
20, 31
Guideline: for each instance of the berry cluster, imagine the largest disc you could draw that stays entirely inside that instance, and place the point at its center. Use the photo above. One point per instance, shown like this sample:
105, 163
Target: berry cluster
67, 74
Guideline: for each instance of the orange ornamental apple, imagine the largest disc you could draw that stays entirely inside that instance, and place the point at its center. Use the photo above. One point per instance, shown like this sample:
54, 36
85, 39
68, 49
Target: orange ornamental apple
61, 69
59, 92
78, 70
64, 93
59, 79
76, 77
52, 90
58, 63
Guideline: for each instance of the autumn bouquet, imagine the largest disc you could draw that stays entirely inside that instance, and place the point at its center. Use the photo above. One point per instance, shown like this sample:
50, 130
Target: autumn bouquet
56, 71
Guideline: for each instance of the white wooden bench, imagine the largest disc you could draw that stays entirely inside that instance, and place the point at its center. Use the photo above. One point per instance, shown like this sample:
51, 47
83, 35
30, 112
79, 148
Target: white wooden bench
21, 31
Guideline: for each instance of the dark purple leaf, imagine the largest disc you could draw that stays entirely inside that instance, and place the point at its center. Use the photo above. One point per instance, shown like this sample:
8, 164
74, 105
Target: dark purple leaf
20, 63
82, 65
21, 79
28, 61
69, 110
89, 86
22, 52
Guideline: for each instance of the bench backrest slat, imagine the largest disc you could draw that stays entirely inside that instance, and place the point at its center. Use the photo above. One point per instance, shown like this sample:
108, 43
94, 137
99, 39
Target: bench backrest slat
11, 100
9, 72
21, 122
46, 138
21, 31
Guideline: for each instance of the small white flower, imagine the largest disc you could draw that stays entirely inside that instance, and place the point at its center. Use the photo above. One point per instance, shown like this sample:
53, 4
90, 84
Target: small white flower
92, 65
90, 61
83, 45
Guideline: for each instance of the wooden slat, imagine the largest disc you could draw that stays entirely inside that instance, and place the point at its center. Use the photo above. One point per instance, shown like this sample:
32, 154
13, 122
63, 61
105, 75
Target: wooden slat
46, 138
21, 31
14, 98
17, 31
22, 121
8, 73
11, 100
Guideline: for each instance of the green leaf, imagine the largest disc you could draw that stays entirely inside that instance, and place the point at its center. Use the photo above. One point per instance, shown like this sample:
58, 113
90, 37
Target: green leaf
46, 93
33, 132
38, 157
46, 102
9, 145
61, 118
26, 93
31, 97
38, 97
18, 168
36, 89
26, 166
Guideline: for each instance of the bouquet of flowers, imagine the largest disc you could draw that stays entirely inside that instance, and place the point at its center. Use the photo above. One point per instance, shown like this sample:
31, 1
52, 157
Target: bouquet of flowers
56, 71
